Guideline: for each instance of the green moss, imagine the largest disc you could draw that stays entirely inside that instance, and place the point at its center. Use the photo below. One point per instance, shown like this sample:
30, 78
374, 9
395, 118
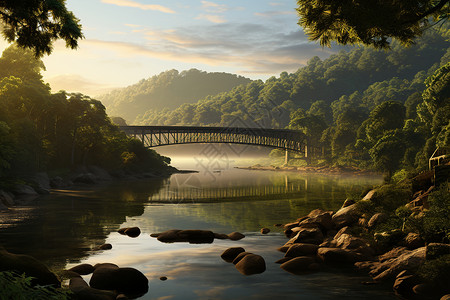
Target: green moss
436, 272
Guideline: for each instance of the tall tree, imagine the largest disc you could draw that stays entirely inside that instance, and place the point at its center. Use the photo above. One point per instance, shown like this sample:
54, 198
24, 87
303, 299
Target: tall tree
369, 22
36, 24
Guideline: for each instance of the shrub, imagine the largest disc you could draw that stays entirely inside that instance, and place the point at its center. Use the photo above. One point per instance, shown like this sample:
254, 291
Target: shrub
436, 272
19, 287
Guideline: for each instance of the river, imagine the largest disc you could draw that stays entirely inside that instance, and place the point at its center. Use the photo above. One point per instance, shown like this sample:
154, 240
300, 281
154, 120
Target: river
61, 230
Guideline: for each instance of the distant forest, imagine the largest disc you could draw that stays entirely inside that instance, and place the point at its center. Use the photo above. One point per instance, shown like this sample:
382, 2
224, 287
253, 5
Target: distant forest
167, 90
381, 109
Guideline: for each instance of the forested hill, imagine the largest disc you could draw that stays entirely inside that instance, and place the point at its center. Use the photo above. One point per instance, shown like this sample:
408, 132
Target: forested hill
363, 75
169, 90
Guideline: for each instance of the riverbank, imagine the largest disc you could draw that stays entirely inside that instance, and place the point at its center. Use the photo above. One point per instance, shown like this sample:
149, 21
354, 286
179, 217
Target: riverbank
313, 169
24, 190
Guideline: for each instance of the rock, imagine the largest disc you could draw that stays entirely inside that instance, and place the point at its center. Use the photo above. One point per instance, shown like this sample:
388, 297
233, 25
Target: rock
124, 280
122, 231
106, 265
41, 180
283, 260
99, 173
86, 178
346, 216
278, 225
265, 230
105, 247
423, 289
320, 217
236, 236
435, 250
133, 232
362, 222
370, 195
122, 297
6, 199
298, 265
301, 249
24, 190
251, 264
83, 269
343, 230
414, 241
394, 253
20, 263
366, 265
347, 241
190, 236
309, 236
83, 291
58, 182
445, 297
389, 238
221, 236
337, 255
163, 278
403, 286
376, 219
240, 256
230, 254
348, 202
409, 261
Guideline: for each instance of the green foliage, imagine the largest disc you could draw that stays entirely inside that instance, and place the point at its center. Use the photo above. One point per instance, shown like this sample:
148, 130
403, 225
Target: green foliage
435, 225
41, 131
19, 287
436, 272
390, 196
36, 24
368, 22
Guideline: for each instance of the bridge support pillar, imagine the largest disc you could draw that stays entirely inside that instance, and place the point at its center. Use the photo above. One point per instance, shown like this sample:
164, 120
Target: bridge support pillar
286, 158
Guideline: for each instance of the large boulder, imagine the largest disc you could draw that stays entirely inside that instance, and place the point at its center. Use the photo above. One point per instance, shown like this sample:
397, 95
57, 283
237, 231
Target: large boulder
236, 236
404, 284
83, 291
435, 250
6, 199
99, 173
311, 235
251, 264
132, 232
24, 190
414, 241
409, 261
347, 241
83, 269
339, 256
86, 178
42, 181
376, 219
298, 265
346, 216
370, 195
301, 249
320, 217
240, 256
20, 264
230, 254
190, 236
124, 280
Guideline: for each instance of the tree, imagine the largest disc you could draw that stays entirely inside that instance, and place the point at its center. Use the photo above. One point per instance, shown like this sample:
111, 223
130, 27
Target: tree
369, 22
36, 24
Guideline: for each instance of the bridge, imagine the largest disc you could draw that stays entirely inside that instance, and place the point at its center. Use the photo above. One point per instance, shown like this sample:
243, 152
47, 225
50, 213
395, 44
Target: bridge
154, 136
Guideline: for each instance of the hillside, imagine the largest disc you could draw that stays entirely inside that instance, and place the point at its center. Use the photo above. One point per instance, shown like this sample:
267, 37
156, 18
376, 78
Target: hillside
167, 90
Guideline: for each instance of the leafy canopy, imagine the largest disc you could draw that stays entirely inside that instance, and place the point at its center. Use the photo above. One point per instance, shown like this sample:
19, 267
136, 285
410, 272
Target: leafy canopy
369, 22
36, 24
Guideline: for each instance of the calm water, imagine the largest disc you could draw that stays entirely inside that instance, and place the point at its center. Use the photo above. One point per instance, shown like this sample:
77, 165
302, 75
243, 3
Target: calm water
62, 228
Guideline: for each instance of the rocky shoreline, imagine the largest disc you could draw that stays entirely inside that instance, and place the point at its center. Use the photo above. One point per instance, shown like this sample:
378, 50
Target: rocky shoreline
336, 238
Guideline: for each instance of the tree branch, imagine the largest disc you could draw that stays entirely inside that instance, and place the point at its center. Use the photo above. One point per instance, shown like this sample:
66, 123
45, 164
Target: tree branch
429, 12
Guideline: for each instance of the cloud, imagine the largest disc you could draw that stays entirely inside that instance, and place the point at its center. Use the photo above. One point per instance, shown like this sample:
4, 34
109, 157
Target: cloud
214, 7
212, 18
274, 13
130, 3
78, 84
248, 48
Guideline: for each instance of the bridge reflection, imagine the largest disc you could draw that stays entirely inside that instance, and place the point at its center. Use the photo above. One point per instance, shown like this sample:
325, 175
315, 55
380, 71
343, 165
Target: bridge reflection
173, 194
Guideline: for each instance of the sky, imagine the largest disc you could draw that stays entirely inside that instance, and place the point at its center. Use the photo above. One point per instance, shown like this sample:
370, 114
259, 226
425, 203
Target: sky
129, 40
